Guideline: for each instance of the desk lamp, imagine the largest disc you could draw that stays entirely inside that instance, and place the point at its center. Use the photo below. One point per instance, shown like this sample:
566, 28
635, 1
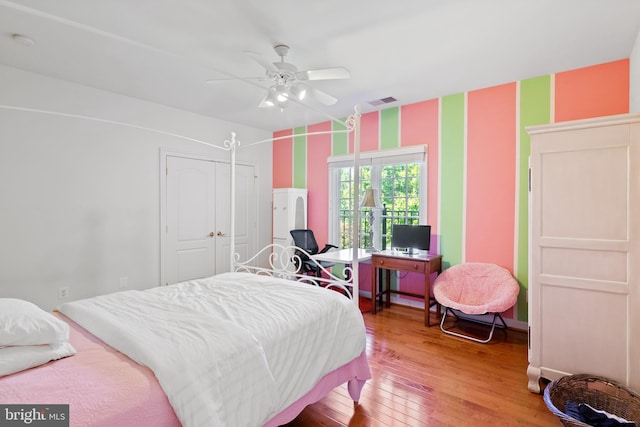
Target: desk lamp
370, 200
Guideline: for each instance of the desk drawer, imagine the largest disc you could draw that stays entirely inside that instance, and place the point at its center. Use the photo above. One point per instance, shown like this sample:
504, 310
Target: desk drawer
399, 264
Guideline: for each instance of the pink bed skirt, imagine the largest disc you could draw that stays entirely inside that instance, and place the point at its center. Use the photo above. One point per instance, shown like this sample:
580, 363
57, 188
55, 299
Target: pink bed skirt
355, 372
103, 387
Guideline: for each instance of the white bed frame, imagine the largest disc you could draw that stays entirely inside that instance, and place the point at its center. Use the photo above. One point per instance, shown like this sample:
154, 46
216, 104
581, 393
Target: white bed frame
277, 267
285, 268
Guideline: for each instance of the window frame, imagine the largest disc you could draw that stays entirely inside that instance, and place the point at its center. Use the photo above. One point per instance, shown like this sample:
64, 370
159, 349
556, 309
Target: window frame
374, 159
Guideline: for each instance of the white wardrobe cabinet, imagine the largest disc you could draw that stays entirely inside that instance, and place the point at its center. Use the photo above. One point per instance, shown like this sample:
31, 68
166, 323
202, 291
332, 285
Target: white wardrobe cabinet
289, 213
584, 275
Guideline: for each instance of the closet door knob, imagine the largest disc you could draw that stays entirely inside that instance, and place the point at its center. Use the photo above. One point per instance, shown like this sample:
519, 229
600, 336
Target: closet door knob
211, 234
220, 233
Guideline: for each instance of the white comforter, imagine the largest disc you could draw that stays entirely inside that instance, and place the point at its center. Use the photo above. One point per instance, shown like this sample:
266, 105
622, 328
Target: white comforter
230, 350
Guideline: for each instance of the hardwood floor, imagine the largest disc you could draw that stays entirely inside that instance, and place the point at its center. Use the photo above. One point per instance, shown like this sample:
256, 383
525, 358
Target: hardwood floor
422, 377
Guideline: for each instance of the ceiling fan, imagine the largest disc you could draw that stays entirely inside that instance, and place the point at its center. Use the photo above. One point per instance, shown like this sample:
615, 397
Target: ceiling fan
290, 83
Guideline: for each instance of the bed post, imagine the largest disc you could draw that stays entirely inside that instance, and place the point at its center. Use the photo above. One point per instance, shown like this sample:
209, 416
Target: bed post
352, 124
232, 221
355, 274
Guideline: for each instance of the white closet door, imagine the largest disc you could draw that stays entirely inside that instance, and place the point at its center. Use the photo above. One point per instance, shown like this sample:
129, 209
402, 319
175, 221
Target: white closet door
190, 219
245, 223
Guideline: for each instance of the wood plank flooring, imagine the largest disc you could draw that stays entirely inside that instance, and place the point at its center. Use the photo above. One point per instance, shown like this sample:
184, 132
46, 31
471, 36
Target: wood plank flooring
422, 377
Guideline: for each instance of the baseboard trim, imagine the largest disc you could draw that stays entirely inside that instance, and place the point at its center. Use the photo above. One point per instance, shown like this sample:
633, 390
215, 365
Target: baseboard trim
514, 324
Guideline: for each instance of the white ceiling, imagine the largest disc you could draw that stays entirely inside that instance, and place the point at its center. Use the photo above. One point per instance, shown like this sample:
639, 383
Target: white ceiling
164, 51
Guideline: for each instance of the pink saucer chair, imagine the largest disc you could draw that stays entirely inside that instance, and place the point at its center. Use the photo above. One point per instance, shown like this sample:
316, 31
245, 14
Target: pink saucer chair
475, 289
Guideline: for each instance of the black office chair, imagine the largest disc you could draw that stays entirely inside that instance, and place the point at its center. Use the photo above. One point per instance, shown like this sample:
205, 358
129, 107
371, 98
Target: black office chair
304, 239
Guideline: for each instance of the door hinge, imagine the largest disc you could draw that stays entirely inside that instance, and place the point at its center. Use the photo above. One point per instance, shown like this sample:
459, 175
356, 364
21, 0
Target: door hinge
529, 337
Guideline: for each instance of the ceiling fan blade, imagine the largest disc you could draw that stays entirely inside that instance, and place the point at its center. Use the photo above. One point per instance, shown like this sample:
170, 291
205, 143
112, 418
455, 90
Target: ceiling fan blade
226, 79
324, 74
322, 97
269, 66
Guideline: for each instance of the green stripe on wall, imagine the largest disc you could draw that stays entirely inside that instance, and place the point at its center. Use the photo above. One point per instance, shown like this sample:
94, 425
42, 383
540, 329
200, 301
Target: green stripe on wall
340, 143
389, 128
299, 158
535, 109
452, 179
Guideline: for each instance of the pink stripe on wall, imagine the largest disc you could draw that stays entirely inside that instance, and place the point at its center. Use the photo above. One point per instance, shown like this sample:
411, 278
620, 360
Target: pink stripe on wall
318, 150
283, 160
490, 181
419, 125
599, 90
369, 132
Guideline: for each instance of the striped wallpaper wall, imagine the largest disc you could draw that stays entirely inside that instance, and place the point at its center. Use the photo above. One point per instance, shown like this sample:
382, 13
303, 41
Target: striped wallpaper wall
478, 152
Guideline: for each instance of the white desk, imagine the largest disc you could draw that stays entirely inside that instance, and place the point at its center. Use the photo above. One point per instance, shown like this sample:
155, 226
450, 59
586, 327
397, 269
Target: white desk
343, 256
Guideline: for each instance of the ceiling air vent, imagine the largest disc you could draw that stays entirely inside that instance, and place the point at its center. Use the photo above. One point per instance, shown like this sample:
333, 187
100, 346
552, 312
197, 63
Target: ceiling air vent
382, 101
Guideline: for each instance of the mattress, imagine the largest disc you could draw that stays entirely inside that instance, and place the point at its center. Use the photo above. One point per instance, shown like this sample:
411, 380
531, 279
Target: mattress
305, 355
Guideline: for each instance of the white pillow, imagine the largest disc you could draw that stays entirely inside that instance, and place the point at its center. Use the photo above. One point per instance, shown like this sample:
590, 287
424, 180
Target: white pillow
24, 323
14, 359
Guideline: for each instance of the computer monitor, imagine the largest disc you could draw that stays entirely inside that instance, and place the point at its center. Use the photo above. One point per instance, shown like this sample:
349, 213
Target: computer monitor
405, 237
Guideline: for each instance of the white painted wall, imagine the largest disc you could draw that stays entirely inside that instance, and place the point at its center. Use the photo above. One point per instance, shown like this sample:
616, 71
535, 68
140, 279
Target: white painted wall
634, 77
80, 198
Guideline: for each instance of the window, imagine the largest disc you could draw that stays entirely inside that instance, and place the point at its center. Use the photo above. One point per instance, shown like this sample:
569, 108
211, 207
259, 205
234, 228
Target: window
400, 197
345, 214
399, 175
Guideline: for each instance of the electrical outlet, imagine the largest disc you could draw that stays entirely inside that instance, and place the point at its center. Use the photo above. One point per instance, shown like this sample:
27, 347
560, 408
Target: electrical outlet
124, 282
63, 292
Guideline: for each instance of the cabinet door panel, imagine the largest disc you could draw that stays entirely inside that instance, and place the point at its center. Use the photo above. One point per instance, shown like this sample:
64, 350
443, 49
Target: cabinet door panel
583, 331
597, 179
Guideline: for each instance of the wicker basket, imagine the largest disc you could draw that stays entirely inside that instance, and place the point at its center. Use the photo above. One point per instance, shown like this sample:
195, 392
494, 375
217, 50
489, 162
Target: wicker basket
598, 392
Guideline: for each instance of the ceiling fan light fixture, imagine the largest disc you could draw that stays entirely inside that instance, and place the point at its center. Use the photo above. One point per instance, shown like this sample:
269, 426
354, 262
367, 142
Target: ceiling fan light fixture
282, 93
300, 92
282, 97
270, 99
277, 96
289, 83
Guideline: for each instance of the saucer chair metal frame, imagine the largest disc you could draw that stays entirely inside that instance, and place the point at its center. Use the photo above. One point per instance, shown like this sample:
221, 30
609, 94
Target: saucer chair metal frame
473, 289
493, 325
